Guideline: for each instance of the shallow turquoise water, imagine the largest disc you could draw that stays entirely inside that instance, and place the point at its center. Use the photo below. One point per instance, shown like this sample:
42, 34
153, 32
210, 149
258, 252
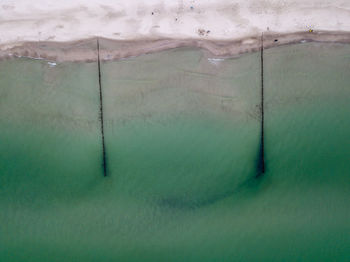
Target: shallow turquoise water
171, 116
182, 141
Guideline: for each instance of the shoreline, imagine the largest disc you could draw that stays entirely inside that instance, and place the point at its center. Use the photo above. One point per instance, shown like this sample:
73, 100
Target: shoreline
85, 50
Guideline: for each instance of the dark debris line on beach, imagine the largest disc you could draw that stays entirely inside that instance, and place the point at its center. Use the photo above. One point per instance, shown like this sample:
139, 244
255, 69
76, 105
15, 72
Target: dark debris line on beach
101, 111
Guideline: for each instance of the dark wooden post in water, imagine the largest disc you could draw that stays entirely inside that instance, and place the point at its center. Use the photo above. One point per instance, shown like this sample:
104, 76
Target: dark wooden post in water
101, 110
262, 152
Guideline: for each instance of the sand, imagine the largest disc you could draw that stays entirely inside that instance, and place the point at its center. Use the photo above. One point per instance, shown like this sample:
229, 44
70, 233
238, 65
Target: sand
66, 30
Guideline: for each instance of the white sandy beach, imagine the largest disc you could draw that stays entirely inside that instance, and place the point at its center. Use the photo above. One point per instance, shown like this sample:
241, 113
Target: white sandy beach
67, 20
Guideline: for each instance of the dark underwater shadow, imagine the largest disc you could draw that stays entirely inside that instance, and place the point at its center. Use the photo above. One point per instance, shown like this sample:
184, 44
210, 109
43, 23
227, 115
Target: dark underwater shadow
253, 185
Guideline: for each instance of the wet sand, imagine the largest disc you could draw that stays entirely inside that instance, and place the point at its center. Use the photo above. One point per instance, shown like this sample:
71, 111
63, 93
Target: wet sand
110, 49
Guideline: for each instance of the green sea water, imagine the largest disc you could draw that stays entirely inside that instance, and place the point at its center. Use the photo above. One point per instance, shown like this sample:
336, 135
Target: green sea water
182, 137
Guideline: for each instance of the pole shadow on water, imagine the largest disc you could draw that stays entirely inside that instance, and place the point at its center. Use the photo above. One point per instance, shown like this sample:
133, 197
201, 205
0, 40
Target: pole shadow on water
104, 164
260, 167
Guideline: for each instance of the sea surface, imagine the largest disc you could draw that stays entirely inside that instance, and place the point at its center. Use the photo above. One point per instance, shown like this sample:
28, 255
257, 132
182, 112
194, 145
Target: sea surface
182, 134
